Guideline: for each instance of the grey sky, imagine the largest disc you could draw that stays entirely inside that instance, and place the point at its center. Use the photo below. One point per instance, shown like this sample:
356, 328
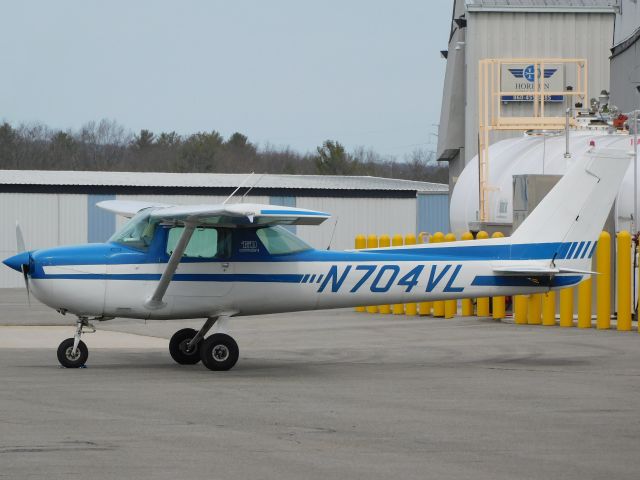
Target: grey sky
286, 72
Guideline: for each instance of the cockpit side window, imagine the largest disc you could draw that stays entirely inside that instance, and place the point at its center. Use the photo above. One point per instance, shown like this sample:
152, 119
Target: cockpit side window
138, 232
206, 242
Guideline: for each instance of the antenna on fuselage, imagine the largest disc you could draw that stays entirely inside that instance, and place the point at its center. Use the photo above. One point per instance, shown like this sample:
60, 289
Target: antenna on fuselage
251, 188
333, 232
239, 187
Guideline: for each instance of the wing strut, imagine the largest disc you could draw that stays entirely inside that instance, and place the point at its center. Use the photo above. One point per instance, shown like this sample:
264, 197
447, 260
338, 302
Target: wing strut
155, 301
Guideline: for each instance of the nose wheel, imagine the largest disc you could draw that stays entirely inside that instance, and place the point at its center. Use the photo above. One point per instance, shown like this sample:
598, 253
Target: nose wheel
72, 352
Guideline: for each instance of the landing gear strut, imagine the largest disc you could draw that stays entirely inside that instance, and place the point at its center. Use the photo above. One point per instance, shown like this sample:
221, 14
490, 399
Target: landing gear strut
217, 352
72, 352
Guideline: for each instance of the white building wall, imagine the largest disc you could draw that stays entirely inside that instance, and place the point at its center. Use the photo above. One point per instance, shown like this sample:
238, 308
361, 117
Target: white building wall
47, 220
357, 216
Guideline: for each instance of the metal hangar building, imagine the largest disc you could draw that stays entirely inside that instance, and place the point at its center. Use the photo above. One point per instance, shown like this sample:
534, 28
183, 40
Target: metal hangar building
58, 207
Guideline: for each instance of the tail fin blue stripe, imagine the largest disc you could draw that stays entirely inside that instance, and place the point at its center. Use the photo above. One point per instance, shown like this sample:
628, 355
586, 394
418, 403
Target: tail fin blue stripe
593, 249
586, 249
571, 249
578, 250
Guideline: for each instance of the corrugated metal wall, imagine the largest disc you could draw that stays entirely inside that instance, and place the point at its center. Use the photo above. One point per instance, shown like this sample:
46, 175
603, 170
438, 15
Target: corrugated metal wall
433, 213
101, 224
47, 220
507, 34
355, 216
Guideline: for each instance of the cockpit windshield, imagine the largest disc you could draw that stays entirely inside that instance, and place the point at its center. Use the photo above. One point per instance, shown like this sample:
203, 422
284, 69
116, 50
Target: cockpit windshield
138, 232
278, 240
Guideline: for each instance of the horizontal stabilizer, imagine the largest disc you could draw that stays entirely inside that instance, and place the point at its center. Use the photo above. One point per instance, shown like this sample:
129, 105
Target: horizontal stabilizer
534, 270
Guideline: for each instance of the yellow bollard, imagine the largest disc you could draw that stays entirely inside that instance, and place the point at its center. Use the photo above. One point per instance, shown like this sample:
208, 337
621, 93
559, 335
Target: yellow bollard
398, 308
410, 308
520, 309
566, 307
482, 304
584, 304
534, 313
438, 305
450, 306
384, 241
372, 242
603, 282
549, 309
499, 303
624, 281
360, 243
424, 308
467, 303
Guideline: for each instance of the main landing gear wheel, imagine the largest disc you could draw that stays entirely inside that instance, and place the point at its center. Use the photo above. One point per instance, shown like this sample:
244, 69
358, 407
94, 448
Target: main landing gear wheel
219, 352
179, 347
70, 359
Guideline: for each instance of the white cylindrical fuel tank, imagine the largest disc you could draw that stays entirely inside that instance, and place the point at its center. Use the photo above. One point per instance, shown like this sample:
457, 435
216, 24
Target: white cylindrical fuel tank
532, 154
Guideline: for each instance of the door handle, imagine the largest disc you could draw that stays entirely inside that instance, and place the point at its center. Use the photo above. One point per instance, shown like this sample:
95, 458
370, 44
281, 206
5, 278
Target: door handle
225, 264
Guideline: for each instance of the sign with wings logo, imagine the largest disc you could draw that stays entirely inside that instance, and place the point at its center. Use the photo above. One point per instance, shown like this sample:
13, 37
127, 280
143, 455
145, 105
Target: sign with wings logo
522, 78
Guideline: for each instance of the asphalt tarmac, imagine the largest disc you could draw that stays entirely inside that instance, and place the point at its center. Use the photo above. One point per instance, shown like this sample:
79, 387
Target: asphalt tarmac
321, 395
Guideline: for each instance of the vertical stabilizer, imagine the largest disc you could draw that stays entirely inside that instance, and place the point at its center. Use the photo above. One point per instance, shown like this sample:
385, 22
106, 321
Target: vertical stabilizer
576, 209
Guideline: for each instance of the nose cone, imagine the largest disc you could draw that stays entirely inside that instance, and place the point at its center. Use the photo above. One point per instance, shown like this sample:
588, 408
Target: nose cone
17, 261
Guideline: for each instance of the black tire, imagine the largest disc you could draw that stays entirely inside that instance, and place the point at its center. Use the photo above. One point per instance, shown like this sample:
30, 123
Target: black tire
178, 347
219, 352
64, 354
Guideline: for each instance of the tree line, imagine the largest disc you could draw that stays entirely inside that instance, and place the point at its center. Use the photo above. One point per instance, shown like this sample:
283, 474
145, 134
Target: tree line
108, 146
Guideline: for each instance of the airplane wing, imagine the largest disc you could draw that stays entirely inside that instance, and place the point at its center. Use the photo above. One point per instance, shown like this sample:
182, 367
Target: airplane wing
241, 214
128, 208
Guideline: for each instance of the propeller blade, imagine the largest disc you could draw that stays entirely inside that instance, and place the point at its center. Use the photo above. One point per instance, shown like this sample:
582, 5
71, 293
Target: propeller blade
20, 239
25, 274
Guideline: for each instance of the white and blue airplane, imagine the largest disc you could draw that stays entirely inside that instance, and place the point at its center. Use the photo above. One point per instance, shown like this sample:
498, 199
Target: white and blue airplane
221, 261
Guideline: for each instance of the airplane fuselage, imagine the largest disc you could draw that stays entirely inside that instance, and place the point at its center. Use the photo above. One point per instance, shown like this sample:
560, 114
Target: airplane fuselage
115, 281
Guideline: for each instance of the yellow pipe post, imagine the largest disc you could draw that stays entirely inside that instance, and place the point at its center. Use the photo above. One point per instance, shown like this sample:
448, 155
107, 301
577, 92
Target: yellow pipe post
438, 305
450, 306
520, 309
482, 304
534, 313
566, 307
549, 309
410, 308
360, 243
499, 303
384, 242
372, 242
467, 303
624, 281
424, 308
398, 308
584, 304
603, 282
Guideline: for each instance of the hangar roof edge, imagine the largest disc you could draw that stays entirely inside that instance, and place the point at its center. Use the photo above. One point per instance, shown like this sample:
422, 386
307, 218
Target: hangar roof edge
213, 180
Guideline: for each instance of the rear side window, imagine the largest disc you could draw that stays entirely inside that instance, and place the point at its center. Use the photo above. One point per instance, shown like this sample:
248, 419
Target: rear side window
204, 243
279, 241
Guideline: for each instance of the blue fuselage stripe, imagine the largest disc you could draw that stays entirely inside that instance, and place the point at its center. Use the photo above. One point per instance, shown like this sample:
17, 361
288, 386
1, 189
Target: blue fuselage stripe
184, 277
